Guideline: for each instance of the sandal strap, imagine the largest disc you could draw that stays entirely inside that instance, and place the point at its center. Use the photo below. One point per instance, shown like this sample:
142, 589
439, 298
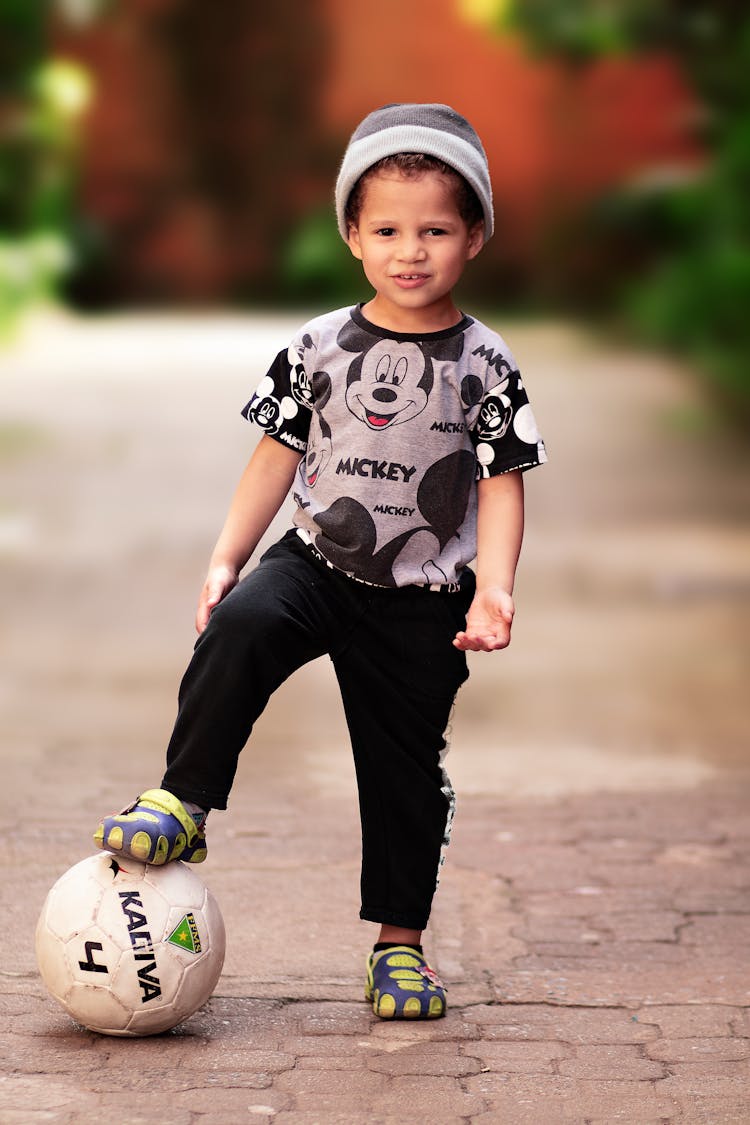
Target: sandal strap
160, 800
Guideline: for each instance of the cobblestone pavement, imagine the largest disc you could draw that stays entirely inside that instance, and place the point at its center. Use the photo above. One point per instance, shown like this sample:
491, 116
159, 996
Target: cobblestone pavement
593, 921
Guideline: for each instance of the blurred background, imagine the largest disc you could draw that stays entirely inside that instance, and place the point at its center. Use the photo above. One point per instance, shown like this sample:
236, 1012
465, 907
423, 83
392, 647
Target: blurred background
166, 221
156, 154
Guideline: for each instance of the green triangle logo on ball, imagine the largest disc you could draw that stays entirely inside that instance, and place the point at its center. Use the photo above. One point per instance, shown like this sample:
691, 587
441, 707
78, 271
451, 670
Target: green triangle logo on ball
185, 934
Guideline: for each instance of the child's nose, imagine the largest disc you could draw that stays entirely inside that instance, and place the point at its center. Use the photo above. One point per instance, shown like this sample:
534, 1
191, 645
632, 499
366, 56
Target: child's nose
411, 249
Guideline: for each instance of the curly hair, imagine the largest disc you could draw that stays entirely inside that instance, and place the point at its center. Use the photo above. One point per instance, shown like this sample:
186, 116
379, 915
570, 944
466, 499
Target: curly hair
412, 165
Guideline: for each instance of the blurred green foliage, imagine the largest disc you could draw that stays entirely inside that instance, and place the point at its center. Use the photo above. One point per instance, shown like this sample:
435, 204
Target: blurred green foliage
316, 265
41, 101
684, 244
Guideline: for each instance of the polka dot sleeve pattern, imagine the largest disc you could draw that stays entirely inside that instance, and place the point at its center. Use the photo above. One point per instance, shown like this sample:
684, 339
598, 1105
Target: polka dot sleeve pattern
503, 430
282, 402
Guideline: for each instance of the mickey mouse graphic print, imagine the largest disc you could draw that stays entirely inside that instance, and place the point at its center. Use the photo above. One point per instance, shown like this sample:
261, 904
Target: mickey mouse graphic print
395, 430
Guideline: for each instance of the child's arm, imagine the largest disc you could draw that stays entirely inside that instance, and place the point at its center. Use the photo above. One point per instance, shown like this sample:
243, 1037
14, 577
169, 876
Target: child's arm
499, 535
261, 492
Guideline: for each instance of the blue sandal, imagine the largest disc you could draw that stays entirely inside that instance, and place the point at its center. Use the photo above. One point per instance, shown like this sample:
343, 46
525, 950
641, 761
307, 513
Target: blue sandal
155, 829
401, 985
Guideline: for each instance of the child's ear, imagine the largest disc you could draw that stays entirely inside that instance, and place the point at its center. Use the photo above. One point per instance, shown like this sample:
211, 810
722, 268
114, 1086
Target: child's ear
352, 242
476, 240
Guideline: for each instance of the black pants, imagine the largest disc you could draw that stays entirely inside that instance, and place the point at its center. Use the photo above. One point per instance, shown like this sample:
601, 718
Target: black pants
398, 674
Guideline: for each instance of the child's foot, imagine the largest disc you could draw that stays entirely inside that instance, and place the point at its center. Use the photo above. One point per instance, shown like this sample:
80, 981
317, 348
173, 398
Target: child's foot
156, 829
401, 985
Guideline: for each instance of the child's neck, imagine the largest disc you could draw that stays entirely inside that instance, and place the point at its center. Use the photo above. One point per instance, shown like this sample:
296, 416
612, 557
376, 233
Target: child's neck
397, 319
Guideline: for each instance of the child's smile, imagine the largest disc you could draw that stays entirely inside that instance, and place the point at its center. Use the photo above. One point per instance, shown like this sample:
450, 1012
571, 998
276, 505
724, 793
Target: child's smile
413, 245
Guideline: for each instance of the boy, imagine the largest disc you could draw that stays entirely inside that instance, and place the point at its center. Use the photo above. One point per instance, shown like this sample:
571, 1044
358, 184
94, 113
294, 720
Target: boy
402, 427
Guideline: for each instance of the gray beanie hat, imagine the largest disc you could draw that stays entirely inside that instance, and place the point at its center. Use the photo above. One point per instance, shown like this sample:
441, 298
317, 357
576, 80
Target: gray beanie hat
433, 129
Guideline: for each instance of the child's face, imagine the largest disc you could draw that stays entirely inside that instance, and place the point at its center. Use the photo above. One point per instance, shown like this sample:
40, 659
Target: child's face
413, 245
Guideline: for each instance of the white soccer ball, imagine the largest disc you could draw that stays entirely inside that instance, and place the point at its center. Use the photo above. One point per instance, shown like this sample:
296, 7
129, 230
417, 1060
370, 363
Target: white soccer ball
129, 949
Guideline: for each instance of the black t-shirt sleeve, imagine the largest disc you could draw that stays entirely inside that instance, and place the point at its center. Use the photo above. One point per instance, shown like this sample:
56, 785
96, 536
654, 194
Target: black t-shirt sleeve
282, 403
505, 434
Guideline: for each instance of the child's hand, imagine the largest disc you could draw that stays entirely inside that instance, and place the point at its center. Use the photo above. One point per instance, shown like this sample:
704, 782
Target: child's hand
488, 622
220, 580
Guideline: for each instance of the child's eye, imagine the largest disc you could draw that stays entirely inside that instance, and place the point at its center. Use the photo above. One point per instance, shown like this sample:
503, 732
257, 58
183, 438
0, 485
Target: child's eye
386, 232
436, 231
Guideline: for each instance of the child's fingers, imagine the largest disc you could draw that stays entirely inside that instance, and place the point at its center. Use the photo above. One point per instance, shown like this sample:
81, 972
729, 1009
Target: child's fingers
482, 642
201, 617
210, 598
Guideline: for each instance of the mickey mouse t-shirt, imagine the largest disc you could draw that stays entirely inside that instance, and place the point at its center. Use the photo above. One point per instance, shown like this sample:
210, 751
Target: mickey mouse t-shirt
395, 430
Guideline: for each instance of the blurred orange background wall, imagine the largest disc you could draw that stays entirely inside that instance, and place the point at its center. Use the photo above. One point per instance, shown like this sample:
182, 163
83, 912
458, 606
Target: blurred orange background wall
216, 129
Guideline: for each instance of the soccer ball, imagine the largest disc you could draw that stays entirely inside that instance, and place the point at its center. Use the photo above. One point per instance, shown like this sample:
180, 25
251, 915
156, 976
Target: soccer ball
130, 949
